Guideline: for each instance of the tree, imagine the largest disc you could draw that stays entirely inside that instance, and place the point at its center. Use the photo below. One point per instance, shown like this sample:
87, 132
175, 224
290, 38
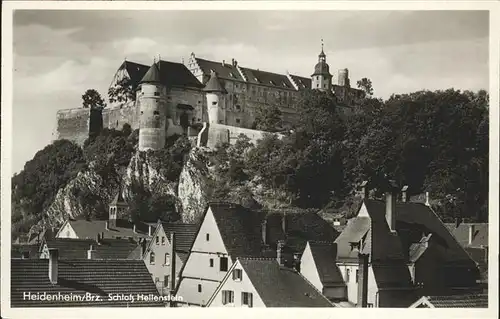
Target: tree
92, 99
122, 91
365, 84
268, 118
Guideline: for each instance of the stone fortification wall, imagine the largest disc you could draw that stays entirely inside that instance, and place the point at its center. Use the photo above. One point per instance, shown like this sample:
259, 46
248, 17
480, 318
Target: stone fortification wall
114, 117
73, 125
213, 134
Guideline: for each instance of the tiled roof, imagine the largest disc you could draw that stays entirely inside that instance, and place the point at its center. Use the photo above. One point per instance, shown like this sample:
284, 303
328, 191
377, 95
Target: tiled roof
239, 227
418, 249
135, 71
461, 233
391, 275
267, 78
456, 301
226, 71
324, 258
86, 229
32, 250
355, 230
171, 74
214, 84
78, 277
185, 234
105, 249
281, 286
152, 76
302, 82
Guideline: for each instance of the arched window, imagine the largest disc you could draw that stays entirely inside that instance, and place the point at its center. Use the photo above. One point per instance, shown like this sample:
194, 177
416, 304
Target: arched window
152, 258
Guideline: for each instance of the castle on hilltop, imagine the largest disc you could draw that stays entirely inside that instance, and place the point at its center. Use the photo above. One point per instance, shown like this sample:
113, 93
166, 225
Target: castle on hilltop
213, 101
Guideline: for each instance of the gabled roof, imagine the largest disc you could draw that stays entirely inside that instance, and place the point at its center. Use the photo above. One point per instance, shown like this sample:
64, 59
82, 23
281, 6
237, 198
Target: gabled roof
454, 301
324, 258
106, 249
356, 229
185, 234
302, 82
240, 229
267, 78
226, 71
78, 277
88, 229
281, 286
461, 233
136, 71
170, 74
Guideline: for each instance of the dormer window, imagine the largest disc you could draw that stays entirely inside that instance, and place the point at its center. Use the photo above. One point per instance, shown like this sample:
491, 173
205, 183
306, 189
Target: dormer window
231, 74
272, 83
355, 245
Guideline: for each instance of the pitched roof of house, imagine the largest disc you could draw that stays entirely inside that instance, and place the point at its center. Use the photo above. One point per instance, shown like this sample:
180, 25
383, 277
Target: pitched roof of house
78, 277
461, 233
226, 71
454, 301
355, 230
88, 229
185, 234
17, 250
324, 257
281, 286
106, 249
240, 229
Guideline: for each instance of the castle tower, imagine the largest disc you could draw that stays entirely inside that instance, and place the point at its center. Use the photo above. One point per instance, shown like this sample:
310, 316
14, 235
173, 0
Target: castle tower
215, 98
118, 209
152, 108
344, 78
321, 79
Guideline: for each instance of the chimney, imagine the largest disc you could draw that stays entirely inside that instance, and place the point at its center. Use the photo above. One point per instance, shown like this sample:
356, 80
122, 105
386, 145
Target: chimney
362, 281
150, 230
91, 252
98, 239
223, 62
264, 232
427, 199
404, 198
364, 190
102, 235
53, 265
390, 206
107, 225
279, 253
472, 233
173, 274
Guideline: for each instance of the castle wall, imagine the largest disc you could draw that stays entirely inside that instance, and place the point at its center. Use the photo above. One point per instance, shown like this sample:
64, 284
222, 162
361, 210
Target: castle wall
194, 98
219, 133
73, 125
116, 116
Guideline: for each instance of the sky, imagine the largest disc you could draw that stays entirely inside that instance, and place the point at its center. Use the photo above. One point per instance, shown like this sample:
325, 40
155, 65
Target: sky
58, 55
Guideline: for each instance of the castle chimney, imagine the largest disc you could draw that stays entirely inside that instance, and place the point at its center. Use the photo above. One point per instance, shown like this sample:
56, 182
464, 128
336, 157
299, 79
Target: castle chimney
223, 62
264, 232
427, 199
472, 233
53, 265
107, 225
362, 281
173, 244
279, 253
365, 190
390, 206
404, 198
91, 252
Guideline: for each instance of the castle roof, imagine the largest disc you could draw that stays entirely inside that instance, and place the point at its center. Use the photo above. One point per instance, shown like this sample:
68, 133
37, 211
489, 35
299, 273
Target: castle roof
322, 68
135, 71
170, 74
214, 85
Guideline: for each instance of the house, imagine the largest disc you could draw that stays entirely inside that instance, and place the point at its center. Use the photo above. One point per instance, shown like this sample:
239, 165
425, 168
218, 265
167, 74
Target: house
464, 301
264, 282
470, 234
407, 246
25, 251
319, 266
98, 248
81, 283
162, 249
229, 231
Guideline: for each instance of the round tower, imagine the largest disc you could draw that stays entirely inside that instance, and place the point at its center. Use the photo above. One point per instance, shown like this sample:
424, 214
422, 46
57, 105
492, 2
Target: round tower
152, 108
214, 92
321, 79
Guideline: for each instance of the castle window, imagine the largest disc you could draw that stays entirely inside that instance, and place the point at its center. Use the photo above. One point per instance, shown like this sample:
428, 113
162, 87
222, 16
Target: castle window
157, 93
347, 274
155, 113
214, 103
238, 121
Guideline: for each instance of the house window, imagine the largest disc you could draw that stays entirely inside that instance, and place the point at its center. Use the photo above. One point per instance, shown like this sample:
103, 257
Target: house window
238, 121
246, 299
211, 262
347, 274
165, 281
163, 240
223, 263
167, 259
357, 275
207, 236
67, 234
152, 258
237, 274
157, 240
227, 297
370, 305
199, 287
157, 280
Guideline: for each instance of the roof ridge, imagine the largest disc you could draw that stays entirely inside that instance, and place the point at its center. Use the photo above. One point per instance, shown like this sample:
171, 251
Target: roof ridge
257, 258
